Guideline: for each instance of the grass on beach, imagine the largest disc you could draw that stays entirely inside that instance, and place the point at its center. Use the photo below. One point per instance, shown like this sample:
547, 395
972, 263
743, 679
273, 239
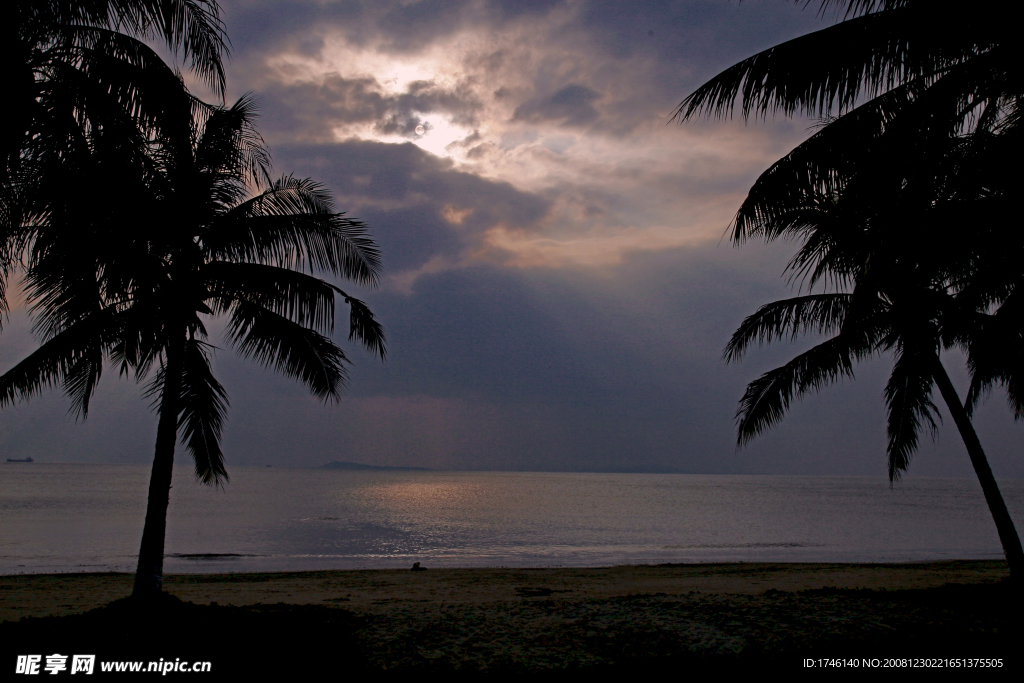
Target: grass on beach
631, 619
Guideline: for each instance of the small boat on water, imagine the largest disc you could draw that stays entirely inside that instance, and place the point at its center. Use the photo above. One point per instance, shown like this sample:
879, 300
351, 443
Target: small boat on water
20, 460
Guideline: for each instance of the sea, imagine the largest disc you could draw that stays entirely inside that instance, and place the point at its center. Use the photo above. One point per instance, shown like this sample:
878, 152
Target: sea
88, 518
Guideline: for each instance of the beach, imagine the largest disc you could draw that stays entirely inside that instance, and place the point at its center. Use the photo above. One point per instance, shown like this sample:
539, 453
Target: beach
549, 619
378, 591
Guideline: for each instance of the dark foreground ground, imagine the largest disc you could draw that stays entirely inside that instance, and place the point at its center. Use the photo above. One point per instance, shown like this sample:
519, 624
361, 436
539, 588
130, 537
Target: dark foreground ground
546, 633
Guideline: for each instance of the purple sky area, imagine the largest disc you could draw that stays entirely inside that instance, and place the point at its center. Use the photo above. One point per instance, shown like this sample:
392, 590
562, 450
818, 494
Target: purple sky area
557, 290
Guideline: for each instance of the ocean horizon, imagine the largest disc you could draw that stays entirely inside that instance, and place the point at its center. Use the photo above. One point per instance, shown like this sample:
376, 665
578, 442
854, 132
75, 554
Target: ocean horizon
88, 518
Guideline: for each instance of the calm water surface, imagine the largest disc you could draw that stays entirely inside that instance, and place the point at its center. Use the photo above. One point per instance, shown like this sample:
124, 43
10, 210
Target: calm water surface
56, 518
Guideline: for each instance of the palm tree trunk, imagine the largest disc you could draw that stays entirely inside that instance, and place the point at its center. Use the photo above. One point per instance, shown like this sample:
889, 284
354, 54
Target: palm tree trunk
1004, 524
149, 576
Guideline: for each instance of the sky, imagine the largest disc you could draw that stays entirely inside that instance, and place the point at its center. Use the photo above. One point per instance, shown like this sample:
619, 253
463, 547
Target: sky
558, 283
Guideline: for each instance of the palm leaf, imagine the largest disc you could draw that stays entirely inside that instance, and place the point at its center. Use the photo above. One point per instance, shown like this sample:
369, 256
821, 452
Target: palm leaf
767, 398
276, 342
995, 355
364, 326
907, 397
192, 27
72, 357
204, 407
231, 145
301, 298
815, 313
813, 174
293, 224
856, 59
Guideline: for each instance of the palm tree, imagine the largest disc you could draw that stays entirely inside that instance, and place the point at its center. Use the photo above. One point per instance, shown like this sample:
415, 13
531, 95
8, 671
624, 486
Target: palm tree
880, 46
912, 319
879, 196
73, 66
197, 230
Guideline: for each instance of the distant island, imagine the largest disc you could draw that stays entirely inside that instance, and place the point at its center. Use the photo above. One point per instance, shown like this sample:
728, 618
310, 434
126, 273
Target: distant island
338, 465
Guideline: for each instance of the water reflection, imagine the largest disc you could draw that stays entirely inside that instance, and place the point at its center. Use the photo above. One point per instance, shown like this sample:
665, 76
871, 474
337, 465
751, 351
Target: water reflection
61, 517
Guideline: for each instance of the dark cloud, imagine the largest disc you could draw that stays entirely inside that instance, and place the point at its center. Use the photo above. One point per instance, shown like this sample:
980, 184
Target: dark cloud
404, 194
497, 369
401, 27
315, 111
623, 369
512, 9
260, 25
573, 105
649, 55
693, 35
408, 27
709, 32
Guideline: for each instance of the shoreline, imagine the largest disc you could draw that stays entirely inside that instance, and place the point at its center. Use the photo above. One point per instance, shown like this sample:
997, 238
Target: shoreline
375, 591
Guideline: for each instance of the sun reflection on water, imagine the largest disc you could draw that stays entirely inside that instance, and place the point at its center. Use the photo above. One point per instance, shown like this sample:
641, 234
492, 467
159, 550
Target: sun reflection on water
411, 496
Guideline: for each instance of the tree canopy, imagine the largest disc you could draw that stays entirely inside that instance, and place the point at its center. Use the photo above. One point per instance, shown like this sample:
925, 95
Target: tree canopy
901, 205
76, 68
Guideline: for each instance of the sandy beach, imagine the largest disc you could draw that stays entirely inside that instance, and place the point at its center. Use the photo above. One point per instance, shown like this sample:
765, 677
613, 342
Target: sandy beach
551, 619
380, 591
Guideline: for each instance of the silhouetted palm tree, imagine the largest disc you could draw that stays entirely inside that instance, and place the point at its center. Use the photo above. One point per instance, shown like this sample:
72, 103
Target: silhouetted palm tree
73, 67
902, 200
901, 301
881, 45
130, 279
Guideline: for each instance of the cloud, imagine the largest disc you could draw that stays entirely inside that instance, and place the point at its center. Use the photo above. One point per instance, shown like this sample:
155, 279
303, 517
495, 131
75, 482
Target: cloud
524, 250
400, 26
334, 107
573, 105
432, 214
424, 211
555, 294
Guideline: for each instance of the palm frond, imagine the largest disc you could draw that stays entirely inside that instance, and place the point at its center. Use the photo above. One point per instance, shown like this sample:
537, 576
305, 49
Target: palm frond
907, 397
191, 27
796, 189
293, 225
767, 398
104, 80
276, 342
83, 374
815, 313
230, 143
135, 82
301, 298
856, 7
364, 326
856, 59
995, 355
194, 25
204, 407
72, 358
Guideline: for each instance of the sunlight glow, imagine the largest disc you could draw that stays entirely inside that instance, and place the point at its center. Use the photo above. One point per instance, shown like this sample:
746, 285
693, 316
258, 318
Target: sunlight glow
438, 135
524, 250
